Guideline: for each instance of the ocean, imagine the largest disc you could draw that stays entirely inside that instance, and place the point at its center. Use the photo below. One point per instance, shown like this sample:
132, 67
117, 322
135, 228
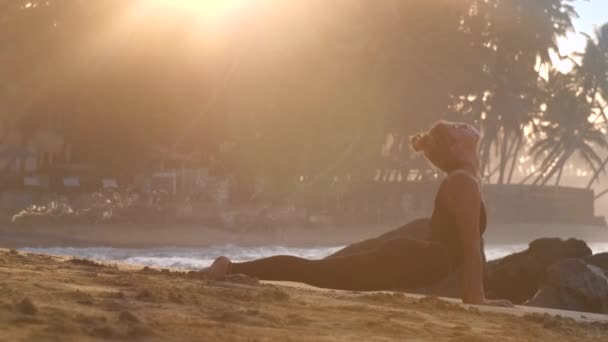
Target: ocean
197, 258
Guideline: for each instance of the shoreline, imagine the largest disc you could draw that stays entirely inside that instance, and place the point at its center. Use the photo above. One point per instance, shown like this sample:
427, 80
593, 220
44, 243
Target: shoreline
134, 236
187, 236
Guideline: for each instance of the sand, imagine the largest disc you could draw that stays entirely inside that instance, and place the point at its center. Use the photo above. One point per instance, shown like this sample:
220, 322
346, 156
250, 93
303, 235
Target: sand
56, 298
519, 311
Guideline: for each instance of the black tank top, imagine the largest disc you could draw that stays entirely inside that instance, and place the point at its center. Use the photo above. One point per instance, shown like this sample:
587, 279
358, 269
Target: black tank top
445, 232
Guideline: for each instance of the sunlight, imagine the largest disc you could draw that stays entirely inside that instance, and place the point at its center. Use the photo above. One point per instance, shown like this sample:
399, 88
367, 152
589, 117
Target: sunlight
199, 8
198, 25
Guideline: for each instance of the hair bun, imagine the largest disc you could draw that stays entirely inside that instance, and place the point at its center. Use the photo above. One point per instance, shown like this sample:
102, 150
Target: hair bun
422, 142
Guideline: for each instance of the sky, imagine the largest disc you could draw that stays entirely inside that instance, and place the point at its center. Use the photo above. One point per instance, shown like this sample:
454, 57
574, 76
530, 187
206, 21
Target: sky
592, 13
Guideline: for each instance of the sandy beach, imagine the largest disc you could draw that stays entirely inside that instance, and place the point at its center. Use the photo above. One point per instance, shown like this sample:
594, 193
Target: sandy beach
56, 298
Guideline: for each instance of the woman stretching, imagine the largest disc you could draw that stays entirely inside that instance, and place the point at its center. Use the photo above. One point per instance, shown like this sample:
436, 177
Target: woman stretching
393, 262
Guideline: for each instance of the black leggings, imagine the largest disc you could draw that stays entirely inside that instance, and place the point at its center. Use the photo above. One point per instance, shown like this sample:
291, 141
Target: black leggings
392, 264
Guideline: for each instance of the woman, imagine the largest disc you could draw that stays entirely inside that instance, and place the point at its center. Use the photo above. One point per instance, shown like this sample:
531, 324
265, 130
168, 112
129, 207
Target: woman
457, 224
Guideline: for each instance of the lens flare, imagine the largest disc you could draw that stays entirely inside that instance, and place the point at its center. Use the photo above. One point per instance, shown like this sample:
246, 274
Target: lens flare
203, 8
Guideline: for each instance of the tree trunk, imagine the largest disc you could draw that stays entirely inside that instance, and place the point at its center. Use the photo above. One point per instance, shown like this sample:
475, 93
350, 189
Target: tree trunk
484, 156
505, 155
597, 172
514, 159
559, 176
559, 166
544, 167
539, 179
493, 171
547, 174
601, 194
512, 156
529, 176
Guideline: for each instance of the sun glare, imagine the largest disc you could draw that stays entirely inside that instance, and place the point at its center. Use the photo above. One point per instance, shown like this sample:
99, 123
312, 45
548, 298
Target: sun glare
202, 8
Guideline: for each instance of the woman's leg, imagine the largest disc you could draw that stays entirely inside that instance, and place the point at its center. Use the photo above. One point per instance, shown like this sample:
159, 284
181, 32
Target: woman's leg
396, 264
417, 230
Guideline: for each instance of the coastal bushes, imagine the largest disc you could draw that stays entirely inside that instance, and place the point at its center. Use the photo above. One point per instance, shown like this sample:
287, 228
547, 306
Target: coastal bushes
94, 208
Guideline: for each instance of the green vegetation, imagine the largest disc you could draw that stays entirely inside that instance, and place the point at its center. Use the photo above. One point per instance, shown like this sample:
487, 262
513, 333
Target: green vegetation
290, 90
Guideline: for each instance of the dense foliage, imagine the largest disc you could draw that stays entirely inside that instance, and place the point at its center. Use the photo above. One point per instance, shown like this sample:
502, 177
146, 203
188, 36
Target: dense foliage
304, 90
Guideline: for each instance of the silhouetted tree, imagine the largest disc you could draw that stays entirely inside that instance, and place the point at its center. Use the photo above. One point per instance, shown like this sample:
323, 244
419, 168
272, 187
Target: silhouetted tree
295, 90
565, 130
518, 35
593, 72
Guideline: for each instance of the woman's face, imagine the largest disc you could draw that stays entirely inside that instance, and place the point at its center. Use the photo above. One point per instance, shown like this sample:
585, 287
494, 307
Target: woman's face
464, 136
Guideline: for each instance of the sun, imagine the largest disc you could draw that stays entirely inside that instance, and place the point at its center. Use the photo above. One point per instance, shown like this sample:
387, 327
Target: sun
195, 18
202, 8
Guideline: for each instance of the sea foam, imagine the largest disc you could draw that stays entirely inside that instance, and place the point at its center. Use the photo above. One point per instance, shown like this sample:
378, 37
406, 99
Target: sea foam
197, 258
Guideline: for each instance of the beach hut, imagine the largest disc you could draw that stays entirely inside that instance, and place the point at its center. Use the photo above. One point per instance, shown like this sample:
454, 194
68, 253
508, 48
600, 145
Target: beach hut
17, 159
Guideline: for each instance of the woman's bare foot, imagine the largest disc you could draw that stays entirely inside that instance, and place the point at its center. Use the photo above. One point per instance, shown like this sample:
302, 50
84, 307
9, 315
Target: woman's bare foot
218, 269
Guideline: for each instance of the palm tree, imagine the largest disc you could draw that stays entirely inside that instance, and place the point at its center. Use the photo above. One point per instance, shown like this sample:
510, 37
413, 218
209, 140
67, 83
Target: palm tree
566, 130
593, 72
515, 45
593, 69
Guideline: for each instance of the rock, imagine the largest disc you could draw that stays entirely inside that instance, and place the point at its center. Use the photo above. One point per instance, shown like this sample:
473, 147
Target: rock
551, 248
600, 260
571, 284
518, 276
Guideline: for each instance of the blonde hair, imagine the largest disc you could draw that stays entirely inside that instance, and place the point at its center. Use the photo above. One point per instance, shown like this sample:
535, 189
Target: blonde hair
435, 144
422, 142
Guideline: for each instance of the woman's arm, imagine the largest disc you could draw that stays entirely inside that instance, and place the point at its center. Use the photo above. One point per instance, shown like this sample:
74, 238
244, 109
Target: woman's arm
460, 194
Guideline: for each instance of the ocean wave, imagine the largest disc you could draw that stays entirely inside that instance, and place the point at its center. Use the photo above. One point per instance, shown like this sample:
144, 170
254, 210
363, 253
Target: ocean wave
197, 258
187, 258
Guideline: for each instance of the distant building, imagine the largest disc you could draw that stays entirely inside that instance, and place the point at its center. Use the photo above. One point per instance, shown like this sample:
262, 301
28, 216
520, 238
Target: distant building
42, 150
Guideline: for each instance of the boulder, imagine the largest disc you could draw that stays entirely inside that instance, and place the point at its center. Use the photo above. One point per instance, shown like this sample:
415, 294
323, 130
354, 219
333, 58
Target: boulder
517, 277
572, 284
600, 260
